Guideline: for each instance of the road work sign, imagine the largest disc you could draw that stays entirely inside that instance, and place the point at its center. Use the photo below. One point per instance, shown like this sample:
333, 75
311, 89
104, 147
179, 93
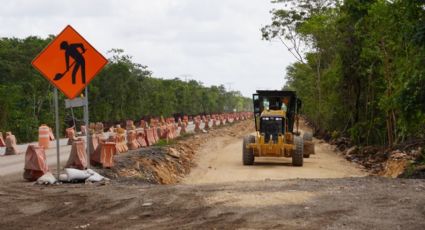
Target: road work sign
69, 62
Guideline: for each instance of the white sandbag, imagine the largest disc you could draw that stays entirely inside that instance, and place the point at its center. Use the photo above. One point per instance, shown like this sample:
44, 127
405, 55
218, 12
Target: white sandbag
76, 174
95, 177
47, 178
63, 177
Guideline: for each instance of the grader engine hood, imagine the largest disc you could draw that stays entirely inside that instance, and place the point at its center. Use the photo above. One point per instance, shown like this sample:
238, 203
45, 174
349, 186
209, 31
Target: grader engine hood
272, 123
271, 127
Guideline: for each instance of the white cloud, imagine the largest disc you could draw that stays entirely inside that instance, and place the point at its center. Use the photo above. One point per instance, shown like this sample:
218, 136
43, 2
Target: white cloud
216, 42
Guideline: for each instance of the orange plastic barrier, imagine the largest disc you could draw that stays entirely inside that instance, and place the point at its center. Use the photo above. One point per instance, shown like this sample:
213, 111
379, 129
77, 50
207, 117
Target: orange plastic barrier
77, 159
143, 124
221, 121
99, 128
170, 132
141, 138
44, 136
120, 143
11, 148
2, 143
130, 125
197, 126
132, 143
51, 136
70, 133
175, 130
155, 134
35, 163
214, 123
162, 131
83, 130
93, 144
95, 155
183, 128
150, 139
108, 150
207, 124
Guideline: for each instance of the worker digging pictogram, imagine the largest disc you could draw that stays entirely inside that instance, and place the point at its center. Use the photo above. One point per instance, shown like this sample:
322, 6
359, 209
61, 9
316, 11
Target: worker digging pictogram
73, 51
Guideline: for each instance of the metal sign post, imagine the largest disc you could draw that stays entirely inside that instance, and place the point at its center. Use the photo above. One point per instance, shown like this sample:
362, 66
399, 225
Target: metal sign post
57, 133
86, 119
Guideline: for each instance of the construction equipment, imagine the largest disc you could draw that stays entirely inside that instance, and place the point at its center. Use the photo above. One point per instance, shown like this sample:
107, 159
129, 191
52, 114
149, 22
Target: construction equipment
276, 112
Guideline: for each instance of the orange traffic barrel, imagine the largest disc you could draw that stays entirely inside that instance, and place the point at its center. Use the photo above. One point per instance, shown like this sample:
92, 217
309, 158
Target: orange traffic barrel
44, 136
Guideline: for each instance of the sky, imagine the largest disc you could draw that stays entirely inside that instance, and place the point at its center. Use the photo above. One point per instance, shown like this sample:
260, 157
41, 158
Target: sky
212, 41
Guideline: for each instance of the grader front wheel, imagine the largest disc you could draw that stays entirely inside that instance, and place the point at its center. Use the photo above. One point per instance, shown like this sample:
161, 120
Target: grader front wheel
247, 153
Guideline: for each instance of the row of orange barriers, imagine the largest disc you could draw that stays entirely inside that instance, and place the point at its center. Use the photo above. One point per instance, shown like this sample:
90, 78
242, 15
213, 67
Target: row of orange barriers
102, 150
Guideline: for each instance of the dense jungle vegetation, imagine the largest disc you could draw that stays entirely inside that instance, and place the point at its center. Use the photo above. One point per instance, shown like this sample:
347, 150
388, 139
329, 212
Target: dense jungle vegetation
360, 66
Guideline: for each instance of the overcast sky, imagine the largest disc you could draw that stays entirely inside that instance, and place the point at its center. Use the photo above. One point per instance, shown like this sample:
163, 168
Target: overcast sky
213, 41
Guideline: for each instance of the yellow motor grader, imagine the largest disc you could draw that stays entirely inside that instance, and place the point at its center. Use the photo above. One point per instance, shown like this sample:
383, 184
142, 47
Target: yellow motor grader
276, 113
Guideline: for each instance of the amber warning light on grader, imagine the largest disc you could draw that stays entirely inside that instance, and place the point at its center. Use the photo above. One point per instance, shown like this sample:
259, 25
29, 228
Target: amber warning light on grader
69, 62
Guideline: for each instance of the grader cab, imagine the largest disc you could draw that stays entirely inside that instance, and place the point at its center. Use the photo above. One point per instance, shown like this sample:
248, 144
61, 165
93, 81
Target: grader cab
276, 114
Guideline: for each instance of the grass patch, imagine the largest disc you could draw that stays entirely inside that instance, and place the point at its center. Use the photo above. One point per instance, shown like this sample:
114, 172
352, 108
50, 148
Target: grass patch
162, 143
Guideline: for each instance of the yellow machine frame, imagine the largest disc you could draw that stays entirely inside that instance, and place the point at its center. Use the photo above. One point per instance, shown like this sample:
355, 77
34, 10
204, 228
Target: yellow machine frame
282, 148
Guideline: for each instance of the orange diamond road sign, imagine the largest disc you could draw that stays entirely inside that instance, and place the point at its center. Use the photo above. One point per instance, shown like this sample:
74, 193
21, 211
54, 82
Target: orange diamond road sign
69, 62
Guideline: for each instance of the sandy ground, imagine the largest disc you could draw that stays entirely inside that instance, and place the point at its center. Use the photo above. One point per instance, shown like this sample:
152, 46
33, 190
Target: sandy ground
220, 160
220, 193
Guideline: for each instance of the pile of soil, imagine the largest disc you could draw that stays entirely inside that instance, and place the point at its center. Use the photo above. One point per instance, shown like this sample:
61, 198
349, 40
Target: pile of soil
378, 160
167, 164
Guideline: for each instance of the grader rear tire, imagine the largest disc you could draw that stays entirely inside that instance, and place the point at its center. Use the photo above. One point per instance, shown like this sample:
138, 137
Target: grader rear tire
247, 153
308, 140
298, 154
308, 136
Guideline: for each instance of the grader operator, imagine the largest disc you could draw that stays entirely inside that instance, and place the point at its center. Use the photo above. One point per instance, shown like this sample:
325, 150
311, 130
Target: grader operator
276, 112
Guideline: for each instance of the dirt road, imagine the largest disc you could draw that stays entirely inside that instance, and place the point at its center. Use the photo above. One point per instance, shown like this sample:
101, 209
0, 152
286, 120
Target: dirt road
354, 203
220, 160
